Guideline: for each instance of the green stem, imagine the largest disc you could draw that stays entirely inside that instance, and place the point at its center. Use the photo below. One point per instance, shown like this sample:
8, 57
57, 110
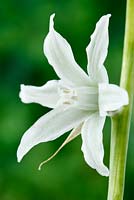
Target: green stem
121, 122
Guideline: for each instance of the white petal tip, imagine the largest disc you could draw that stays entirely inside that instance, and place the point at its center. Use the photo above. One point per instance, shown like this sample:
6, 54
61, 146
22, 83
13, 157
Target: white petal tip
51, 21
106, 16
102, 170
22, 86
23, 93
105, 172
52, 15
18, 158
104, 20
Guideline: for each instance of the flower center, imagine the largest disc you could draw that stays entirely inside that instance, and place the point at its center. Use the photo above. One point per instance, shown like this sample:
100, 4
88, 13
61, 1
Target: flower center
68, 96
85, 98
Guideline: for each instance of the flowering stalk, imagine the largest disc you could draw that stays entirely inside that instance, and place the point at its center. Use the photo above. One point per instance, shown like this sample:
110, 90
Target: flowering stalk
121, 122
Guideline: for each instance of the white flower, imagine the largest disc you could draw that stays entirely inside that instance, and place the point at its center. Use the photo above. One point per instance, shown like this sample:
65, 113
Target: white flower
81, 101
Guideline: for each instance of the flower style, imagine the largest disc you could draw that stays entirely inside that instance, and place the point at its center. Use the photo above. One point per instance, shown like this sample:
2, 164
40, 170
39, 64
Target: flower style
80, 102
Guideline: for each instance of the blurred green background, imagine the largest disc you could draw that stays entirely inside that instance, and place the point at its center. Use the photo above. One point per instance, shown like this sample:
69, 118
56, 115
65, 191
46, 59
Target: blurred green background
23, 26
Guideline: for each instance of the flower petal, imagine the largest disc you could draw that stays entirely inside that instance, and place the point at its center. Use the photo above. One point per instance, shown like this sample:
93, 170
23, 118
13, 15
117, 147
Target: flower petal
92, 143
51, 126
111, 98
98, 48
60, 56
46, 95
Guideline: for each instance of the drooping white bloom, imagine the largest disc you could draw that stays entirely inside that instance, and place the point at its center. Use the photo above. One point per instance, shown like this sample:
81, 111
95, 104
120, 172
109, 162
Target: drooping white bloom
80, 101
